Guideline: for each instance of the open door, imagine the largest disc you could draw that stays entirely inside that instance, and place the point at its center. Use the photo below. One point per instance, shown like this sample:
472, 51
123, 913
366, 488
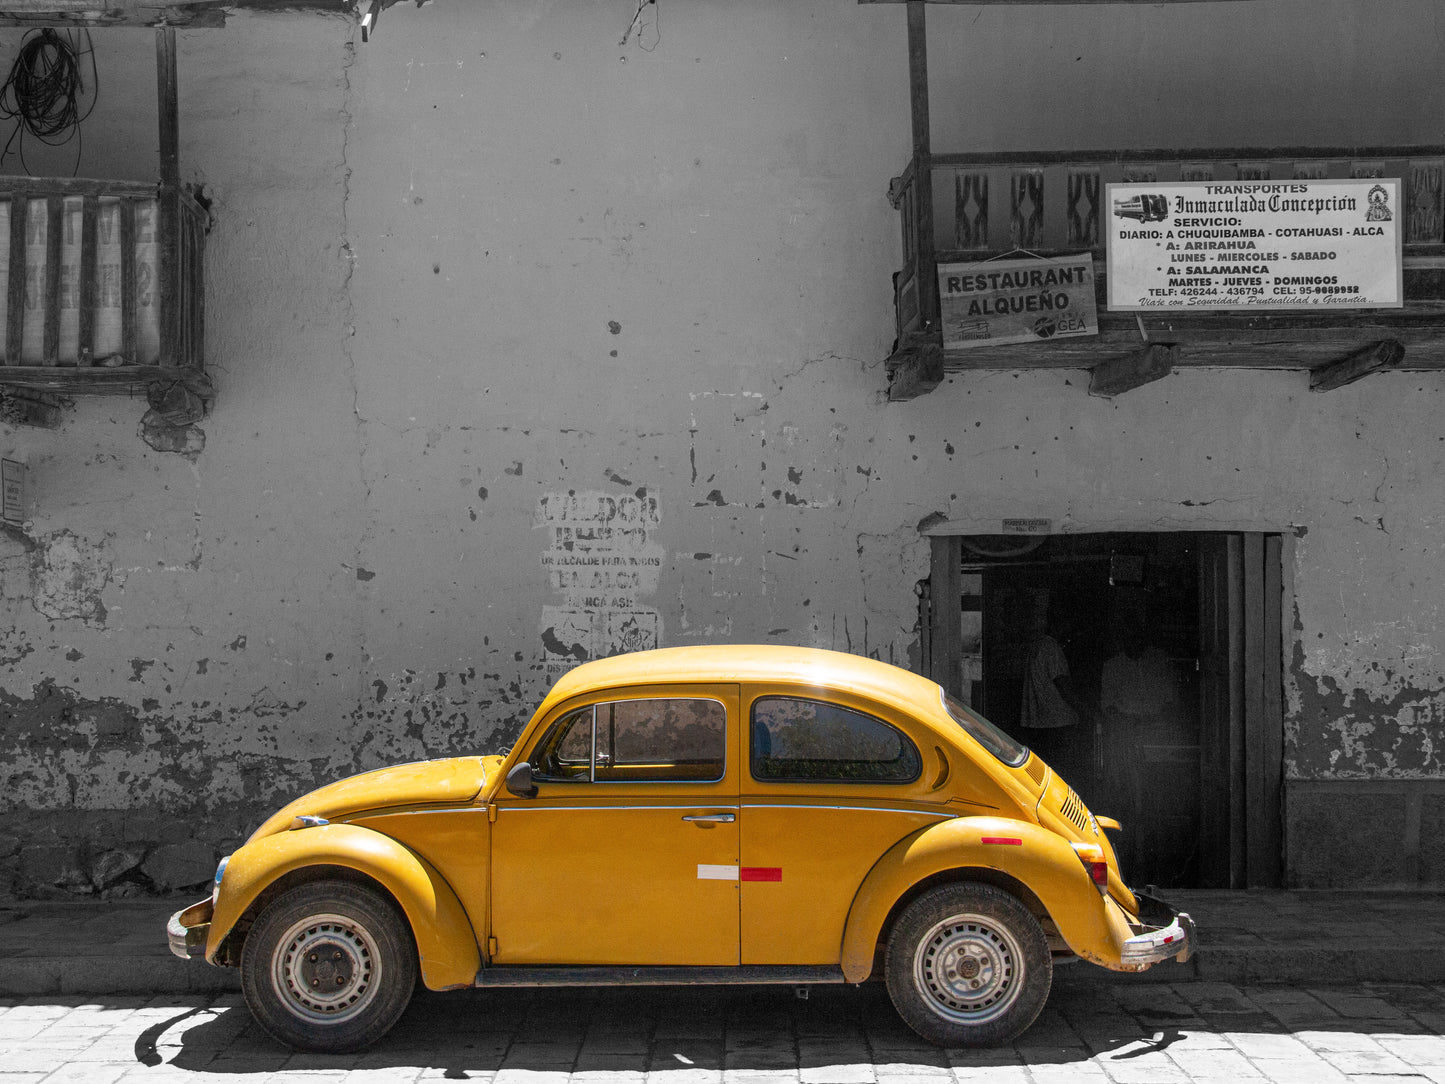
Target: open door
1197, 783
1241, 721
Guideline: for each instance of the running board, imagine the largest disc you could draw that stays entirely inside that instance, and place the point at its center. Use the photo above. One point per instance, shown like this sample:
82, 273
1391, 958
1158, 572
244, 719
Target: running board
752, 974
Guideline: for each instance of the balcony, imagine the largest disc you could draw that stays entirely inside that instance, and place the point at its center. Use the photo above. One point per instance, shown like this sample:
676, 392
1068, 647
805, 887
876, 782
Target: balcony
974, 207
101, 293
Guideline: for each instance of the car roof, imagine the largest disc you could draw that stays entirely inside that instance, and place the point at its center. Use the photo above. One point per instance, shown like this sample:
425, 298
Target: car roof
761, 663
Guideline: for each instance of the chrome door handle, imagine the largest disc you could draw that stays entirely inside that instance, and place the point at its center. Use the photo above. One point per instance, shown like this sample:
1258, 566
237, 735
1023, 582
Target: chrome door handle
711, 818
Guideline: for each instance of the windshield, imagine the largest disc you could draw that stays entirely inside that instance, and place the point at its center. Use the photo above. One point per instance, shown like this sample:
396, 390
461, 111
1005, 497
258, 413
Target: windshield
985, 733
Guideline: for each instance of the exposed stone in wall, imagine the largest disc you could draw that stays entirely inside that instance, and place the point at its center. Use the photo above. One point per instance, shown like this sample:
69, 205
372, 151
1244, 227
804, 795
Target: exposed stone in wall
100, 797
1366, 687
68, 575
111, 854
1397, 736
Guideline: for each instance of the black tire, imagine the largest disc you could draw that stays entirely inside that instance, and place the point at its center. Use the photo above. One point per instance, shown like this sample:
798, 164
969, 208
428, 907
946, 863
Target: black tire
329, 967
968, 965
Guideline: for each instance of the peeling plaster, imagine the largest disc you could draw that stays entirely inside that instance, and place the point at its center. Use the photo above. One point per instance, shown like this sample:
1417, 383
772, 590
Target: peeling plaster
68, 575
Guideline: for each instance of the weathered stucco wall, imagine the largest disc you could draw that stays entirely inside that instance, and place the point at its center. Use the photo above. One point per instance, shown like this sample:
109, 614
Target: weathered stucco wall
531, 346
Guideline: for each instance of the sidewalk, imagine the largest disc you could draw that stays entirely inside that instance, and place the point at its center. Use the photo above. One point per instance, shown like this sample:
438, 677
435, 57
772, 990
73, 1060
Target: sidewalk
1316, 938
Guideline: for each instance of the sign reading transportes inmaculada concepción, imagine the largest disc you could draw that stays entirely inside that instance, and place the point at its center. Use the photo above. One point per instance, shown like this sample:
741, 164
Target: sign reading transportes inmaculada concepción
1017, 301
1305, 244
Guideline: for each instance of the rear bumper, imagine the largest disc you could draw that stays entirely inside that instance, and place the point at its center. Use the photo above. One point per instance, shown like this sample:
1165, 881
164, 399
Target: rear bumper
1159, 943
188, 929
1161, 933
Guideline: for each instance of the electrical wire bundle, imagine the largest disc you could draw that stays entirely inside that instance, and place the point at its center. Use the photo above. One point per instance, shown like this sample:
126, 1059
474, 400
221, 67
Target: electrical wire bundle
44, 91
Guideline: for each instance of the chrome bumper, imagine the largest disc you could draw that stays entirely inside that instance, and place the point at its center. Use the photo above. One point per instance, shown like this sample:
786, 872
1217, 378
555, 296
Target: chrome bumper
1159, 943
188, 929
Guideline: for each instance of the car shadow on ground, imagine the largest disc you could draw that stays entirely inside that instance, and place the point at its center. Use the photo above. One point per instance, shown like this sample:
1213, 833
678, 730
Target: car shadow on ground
636, 1030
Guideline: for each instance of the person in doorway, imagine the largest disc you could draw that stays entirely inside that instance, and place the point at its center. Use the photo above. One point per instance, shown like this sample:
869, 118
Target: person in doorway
1139, 698
1054, 717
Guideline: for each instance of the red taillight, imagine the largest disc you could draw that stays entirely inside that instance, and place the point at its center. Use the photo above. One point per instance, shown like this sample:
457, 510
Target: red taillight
1092, 856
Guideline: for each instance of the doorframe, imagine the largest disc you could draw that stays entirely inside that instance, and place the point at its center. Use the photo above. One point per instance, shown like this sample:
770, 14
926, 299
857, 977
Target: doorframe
1261, 596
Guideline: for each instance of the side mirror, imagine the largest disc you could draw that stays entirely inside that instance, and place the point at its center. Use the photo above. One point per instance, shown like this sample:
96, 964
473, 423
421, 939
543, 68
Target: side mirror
519, 781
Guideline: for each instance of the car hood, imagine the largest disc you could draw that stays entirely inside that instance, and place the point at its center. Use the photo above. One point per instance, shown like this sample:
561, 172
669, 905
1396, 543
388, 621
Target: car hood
424, 783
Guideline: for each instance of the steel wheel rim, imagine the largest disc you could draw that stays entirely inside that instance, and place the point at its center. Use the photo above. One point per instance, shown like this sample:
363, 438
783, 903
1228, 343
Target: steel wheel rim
969, 969
326, 969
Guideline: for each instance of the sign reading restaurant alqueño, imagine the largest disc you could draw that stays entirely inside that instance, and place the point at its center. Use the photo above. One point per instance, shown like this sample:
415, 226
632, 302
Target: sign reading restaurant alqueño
1016, 301
1306, 244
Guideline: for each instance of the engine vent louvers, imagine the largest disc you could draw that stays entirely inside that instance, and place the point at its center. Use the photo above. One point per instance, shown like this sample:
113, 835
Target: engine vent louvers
1035, 768
1073, 808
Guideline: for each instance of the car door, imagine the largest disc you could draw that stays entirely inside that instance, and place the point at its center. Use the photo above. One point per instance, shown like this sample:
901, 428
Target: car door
827, 787
628, 852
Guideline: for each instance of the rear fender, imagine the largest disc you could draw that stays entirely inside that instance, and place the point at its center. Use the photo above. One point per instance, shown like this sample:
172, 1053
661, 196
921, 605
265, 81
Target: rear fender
1040, 859
446, 944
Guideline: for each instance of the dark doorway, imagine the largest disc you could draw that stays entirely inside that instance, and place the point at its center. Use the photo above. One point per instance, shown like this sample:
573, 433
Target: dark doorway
1162, 641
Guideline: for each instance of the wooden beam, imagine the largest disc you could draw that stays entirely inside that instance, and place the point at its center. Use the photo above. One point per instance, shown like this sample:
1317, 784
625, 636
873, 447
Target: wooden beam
50, 300
1381, 355
188, 14
1258, 861
914, 370
89, 280
945, 623
15, 298
121, 380
1269, 836
923, 163
127, 283
168, 203
1118, 375
60, 13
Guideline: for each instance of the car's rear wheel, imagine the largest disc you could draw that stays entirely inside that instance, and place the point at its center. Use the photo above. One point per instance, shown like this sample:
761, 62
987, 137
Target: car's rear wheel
968, 965
329, 966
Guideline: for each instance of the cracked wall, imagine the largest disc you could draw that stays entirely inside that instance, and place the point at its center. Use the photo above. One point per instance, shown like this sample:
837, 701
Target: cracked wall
491, 261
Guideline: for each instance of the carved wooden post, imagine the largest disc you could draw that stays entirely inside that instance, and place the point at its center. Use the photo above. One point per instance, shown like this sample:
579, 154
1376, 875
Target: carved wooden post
923, 157
168, 210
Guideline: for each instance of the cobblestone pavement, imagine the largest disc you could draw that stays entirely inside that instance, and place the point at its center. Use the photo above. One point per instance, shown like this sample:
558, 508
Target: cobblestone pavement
1091, 1032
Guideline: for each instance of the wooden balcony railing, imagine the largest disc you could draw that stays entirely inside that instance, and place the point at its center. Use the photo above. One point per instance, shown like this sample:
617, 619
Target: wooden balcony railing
984, 205
103, 288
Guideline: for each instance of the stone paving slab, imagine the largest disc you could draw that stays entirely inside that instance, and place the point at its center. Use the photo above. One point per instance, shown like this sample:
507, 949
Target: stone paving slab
1109, 1033
1245, 937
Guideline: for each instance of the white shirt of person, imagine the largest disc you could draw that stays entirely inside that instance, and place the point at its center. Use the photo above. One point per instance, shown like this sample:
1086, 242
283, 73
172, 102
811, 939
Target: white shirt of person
1043, 706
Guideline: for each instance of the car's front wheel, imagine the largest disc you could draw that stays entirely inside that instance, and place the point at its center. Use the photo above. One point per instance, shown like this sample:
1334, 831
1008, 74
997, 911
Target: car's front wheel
968, 965
329, 966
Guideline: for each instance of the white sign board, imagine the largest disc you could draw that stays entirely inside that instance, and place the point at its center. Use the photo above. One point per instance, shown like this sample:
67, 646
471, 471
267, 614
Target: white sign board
1016, 301
12, 482
1307, 244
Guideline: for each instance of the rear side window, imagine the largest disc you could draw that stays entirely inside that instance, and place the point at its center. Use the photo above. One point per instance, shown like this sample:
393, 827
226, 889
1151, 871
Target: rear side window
810, 741
985, 733
673, 740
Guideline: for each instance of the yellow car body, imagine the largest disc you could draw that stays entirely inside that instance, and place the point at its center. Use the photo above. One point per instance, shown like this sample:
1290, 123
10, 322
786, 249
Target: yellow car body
735, 813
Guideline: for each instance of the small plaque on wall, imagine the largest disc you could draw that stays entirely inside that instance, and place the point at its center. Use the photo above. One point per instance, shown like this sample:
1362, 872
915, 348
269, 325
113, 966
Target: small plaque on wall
13, 479
1028, 526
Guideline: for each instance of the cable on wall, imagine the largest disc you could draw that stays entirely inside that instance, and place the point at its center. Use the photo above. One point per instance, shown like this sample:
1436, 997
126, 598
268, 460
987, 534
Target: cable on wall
45, 90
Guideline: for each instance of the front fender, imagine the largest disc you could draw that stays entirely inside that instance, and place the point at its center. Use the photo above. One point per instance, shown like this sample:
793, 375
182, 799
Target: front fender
445, 941
1093, 927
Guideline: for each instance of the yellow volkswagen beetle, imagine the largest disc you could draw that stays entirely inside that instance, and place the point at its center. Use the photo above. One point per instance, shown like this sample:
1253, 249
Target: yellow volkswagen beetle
703, 814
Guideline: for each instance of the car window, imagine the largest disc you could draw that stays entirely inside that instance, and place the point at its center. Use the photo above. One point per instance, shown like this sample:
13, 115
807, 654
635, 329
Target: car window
626, 741
810, 741
565, 755
985, 733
